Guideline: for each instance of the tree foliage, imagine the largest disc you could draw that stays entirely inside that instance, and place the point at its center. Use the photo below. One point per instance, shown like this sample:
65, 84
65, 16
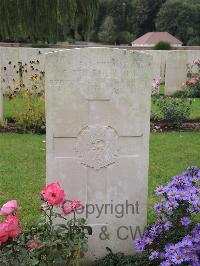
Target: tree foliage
136, 17
45, 20
108, 21
180, 18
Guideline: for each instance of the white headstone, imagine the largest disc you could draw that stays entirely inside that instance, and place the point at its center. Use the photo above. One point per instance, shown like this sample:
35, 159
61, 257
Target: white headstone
176, 69
98, 116
1, 99
33, 61
158, 63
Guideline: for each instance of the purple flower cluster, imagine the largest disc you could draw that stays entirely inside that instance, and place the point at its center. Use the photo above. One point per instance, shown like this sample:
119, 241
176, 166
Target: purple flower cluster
181, 188
170, 240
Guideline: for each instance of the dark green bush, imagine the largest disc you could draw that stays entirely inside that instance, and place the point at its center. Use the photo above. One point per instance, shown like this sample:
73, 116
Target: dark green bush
194, 91
180, 94
162, 45
174, 111
120, 259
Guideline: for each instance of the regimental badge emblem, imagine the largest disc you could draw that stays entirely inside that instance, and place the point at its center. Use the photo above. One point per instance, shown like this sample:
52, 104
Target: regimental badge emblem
97, 146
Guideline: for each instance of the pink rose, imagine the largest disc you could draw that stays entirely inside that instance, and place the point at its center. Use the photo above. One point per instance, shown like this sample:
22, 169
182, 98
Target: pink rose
32, 245
192, 81
53, 194
74, 205
9, 207
12, 226
3, 233
9, 228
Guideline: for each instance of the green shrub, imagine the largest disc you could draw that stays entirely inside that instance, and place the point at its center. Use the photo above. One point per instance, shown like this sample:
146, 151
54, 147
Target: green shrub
180, 94
118, 259
162, 45
194, 91
173, 111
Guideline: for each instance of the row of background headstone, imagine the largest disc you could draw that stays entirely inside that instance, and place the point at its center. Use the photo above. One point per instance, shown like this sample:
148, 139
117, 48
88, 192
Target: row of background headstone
171, 66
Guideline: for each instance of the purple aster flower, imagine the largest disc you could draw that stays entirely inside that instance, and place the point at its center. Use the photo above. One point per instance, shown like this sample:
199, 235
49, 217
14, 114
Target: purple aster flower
156, 229
158, 207
165, 263
193, 173
198, 190
171, 205
154, 255
185, 221
159, 190
182, 194
192, 190
167, 225
193, 199
172, 192
140, 245
182, 181
161, 256
177, 258
148, 241
164, 201
197, 206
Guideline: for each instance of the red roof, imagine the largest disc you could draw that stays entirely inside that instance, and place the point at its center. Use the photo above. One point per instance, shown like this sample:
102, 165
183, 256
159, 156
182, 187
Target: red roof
155, 37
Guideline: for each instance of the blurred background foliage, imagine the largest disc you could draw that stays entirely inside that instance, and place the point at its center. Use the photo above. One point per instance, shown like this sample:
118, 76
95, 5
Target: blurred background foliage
106, 21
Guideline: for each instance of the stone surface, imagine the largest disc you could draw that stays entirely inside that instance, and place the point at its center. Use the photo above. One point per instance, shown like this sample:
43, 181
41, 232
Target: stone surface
10, 58
98, 113
158, 63
176, 69
1, 99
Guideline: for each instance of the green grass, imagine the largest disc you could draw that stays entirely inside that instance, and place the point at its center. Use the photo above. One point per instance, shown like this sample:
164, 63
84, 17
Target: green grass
22, 172
22, 166
162, 89
170, 154
195, 109
11, 105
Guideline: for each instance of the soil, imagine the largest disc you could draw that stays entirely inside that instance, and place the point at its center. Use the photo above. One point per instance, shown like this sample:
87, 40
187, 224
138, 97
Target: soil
187, 126
155, 127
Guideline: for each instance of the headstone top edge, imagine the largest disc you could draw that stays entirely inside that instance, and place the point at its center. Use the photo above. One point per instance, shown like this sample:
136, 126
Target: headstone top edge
119, 50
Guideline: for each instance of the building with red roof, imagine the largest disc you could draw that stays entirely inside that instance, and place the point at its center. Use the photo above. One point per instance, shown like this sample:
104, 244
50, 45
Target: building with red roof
151, 38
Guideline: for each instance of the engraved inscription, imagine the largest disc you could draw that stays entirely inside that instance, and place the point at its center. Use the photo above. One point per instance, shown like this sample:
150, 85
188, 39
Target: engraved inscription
97, 146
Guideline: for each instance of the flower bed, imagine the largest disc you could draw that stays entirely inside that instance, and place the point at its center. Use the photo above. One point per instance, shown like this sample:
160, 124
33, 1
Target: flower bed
48, 242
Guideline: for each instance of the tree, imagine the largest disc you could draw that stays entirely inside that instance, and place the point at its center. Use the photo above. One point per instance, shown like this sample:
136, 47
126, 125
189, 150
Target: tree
180, 18
108, 31
143, 15
45, 20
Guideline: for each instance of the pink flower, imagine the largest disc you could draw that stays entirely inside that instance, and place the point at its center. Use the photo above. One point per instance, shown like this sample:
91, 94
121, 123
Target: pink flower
3, 233
53, 194
156, 85
32, 245
12, 226
9, 208
9, 228
74, 205
192, 81
197, 62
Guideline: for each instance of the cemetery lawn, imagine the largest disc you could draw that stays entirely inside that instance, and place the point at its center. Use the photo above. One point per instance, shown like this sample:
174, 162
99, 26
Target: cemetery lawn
22, 166
22, 172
